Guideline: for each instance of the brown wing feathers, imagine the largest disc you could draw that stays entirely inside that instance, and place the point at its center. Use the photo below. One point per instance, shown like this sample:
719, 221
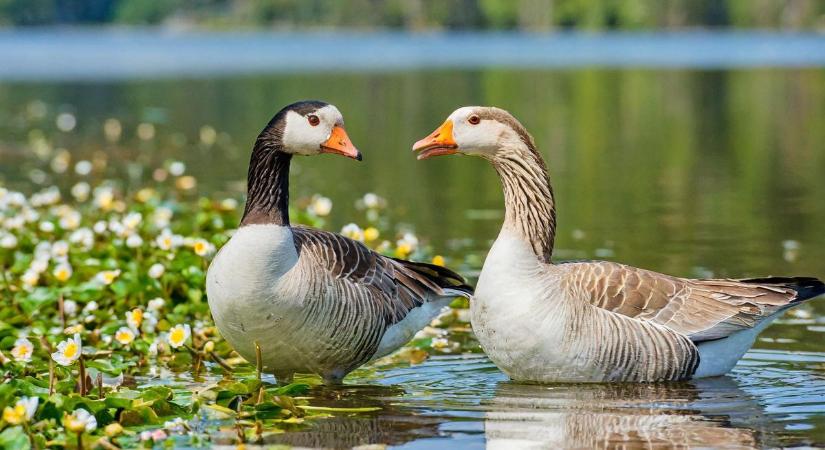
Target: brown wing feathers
396, 285
700, 309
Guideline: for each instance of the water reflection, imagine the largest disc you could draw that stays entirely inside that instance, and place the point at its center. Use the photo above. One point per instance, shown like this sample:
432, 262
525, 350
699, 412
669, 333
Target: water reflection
705, 413
390, 423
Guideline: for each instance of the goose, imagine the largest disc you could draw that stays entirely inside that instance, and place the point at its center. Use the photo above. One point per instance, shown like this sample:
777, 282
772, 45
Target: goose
593, 321
313, 301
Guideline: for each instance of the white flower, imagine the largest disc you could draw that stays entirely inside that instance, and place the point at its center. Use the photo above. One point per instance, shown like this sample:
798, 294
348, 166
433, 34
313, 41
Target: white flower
372, 201
81, 190
353, 231
100, 227
14, 223
134, 318
49, 196
83, 237
23, 349
320, 205
202, 247
104, 197
117, 228
68, 351
8, 240
23, 411
167, 241
30, 278
156, 270
134, 241
60, 249
150, 322
229, 204
407, 244
39, 264
83, 168
65, 121
69, 307
63, 272
125, 335
153, 348
177, 168
161, 217
46, 226
90, 307
178, 335
79, 421
107, 276
132, 220
43, 250
156, 304
29, 215
69, 220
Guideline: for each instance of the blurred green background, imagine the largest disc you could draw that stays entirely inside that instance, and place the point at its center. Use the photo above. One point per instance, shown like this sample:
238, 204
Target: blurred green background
532, 15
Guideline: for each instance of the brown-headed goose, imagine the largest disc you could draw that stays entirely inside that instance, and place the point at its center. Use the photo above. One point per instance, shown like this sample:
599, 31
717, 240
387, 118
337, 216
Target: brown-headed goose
315, 302
593, 321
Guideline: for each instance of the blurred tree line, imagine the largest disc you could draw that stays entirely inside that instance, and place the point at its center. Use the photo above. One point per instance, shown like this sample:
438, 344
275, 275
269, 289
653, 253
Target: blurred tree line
528, 15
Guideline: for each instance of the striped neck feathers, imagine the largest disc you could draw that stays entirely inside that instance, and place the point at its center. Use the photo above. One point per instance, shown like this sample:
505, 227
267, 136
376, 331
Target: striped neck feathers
528, 196
268, 184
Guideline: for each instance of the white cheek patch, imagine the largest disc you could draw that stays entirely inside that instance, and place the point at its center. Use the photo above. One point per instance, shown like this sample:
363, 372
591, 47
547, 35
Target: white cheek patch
302, 138
483, 138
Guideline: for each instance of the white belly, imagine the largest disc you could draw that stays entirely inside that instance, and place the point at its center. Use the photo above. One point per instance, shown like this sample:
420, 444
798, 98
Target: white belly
515, 316
248, 295
521, 316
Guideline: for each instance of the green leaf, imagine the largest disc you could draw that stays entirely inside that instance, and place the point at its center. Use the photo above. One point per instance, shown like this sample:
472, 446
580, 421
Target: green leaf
291, 389
331, 409
14, 437
39, 298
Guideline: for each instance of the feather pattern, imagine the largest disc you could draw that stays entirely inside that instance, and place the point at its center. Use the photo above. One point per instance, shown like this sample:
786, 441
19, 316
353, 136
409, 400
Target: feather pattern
596, 320
315, 301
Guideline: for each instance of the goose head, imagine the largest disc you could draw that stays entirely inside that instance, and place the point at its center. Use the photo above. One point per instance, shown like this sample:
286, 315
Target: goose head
474, 130
308, 128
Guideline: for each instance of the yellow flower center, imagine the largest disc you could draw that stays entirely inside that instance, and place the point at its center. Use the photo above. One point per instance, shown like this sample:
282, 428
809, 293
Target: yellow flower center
62, 274
20, 351
200, 247
70, 350
177, 335
371, 234
73, 424
15, 415
137, 316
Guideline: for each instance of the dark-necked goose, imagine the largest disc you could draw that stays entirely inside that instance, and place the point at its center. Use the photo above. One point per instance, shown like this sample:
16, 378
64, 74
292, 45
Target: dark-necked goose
593, 321
316, 302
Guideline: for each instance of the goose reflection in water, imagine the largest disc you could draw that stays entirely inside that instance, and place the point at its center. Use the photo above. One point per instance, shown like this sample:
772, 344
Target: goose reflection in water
712, 412
390, 423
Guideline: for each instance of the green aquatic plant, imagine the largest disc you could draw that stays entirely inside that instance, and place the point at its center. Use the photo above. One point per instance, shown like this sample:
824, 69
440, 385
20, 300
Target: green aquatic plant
104, 304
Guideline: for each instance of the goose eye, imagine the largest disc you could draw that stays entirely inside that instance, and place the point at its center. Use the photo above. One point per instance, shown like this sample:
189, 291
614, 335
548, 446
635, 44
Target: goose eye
313, 120
474, 120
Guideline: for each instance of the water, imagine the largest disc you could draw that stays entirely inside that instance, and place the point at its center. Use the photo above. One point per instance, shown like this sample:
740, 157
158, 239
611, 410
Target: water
698, 167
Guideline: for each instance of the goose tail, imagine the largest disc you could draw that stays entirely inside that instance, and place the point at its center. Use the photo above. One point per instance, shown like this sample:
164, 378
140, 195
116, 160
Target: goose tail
451, 283
806, 288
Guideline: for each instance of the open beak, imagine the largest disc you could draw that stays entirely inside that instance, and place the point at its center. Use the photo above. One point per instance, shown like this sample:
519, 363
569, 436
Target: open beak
440, 142
339, 144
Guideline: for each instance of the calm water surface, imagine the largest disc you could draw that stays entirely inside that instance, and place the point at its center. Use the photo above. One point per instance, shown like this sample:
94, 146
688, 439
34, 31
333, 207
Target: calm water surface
692, 171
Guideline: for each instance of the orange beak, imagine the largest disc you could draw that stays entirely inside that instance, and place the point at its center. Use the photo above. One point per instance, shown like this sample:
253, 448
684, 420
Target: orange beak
339, 144
440, 142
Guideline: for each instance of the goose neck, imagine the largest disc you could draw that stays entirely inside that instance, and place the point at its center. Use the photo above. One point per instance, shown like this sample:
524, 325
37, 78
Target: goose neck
267, 187
530, 210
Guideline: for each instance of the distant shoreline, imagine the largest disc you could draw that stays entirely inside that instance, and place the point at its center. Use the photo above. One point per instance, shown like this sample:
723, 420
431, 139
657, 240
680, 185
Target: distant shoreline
43, 54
